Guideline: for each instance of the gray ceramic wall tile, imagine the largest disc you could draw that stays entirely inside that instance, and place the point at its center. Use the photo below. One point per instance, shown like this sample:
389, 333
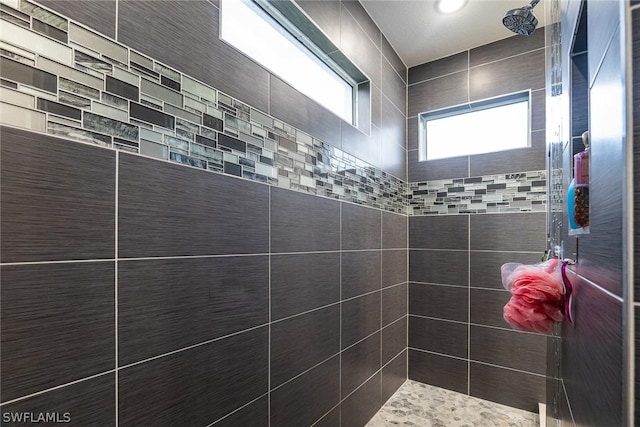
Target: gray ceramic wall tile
442, 267
439, 371
603, 18
359, 362
362, 405
296, 109
360, 272
442, 337
394, 339
485, 266
455, 167
394, 303
517, 160
393, 376
392, 137
538, 110
393, 86
99, 15
390, 55
180, 388
44, 343
439, 232
412, 133
505, 48
90, 402
497, 385
303, 282
394, 230
303, 341
449, 65
57, 199
509, 232
326, 15
332, 419
394, 267
601, 251
171, 32
592, 357
521, 72
301, 222
443, 302
201, 298
255, 414
361, 227
304, 400
355, 43
438, 93
360, 317
363, 19
360, 144
486, 307
157, 217
512, 349
376, 105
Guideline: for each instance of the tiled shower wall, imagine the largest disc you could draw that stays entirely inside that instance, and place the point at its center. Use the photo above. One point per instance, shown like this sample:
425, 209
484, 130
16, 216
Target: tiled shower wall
126, 291
595, 356
145, 292
493, 206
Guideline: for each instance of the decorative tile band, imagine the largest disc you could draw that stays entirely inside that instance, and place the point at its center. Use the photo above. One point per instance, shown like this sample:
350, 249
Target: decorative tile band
61, 78
515, 192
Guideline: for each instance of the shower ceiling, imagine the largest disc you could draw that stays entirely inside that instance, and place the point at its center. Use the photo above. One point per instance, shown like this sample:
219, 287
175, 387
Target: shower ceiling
419, 33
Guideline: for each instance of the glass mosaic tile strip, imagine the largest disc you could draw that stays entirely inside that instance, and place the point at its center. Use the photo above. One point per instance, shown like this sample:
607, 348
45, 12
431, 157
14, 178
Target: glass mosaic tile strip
484, 194
174, 117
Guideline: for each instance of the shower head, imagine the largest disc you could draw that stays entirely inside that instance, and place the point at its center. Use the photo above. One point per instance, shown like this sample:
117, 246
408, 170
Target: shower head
521, 20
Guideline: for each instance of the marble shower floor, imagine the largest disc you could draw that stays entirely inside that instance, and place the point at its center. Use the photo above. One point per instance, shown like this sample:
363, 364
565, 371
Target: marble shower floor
420, 405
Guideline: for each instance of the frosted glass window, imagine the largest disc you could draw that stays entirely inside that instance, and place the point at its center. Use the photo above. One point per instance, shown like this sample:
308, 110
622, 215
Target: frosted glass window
483, 127
247, 27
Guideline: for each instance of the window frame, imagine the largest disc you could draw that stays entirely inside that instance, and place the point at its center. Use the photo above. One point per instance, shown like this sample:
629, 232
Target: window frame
484, 104
290, 20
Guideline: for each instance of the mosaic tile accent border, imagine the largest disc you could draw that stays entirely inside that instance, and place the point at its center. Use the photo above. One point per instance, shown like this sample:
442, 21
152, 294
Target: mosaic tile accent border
515, 192
58, 77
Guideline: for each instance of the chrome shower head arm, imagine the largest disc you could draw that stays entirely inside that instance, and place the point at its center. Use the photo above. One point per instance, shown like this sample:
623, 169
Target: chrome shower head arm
533, 3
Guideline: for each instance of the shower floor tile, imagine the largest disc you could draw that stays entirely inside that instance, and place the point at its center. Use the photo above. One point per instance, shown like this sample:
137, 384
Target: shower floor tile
420, 405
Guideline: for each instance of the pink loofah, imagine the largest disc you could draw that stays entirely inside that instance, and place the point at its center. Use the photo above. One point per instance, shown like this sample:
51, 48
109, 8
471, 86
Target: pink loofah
537, 292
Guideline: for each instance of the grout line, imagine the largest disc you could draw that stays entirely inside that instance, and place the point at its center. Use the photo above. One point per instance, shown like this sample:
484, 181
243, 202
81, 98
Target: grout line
238, 409
340, 331
149, 359
381, 272
566, 397
57, 387
477, 362
116, 248
595, 285
270, 324
469, 303
115, 37
394, 322
478, 325
295, 377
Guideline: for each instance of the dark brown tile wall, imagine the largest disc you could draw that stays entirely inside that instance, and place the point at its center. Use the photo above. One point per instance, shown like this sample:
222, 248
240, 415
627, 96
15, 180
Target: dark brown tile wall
596, 361
456, 300
199, 294
346, 24
499, 68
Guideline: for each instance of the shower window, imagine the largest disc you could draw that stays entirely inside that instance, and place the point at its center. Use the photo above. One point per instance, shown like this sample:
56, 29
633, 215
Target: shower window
486, 126
259, 30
